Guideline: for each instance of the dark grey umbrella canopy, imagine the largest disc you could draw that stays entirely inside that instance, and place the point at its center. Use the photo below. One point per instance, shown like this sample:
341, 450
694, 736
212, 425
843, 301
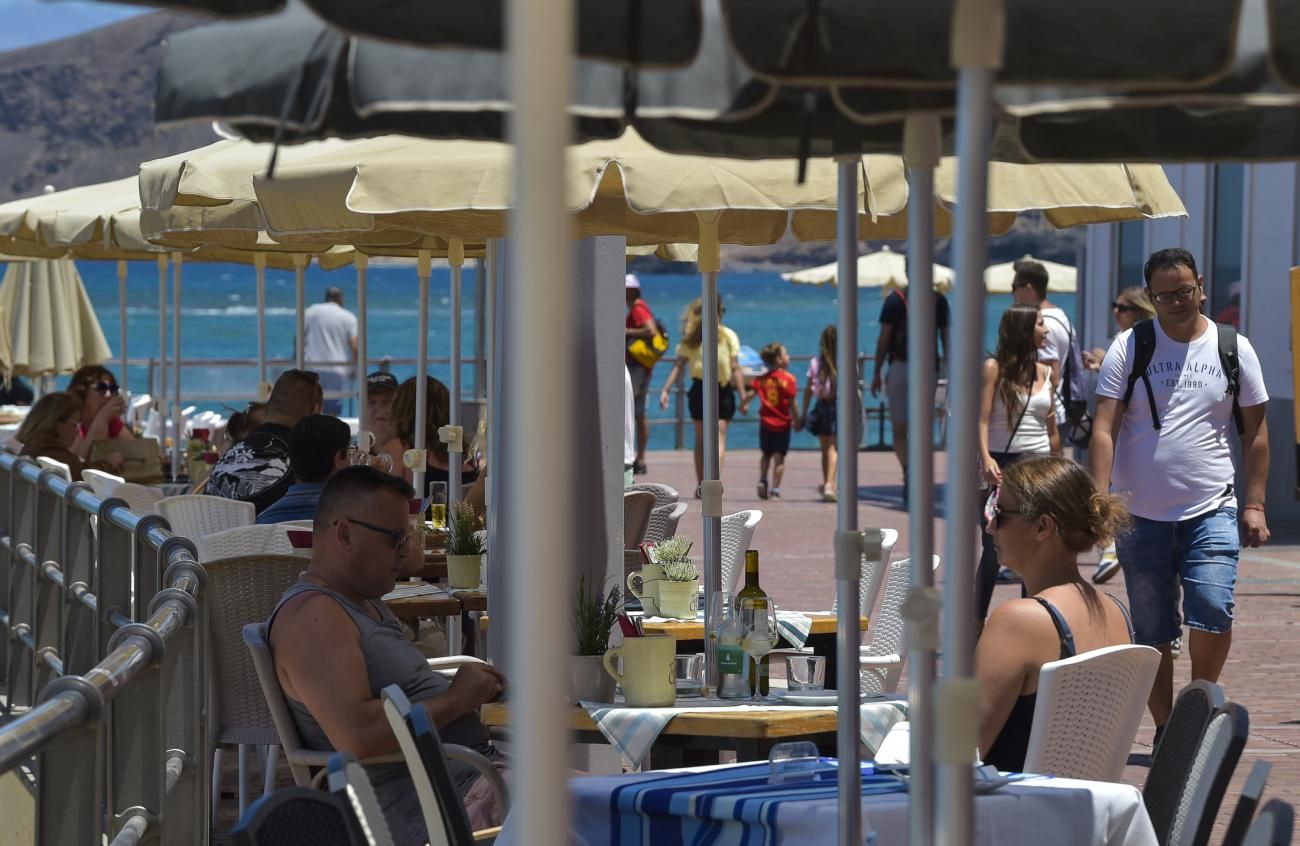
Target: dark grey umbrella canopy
1251, 113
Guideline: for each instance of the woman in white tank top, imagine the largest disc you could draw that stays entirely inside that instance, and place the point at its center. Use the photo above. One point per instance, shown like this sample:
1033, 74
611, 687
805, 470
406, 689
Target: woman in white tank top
1017, 418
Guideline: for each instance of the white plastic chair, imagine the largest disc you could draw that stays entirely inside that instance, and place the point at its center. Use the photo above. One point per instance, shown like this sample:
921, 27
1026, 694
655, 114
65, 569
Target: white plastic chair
636, 517
664, 494
272, 539
64, 471
664, 520
141, 499
196, 515
103, 484
737, 536
1088, 711
881, 660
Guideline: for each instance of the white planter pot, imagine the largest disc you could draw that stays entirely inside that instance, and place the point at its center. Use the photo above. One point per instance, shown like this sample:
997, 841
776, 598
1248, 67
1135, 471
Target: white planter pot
464, 571
677, 599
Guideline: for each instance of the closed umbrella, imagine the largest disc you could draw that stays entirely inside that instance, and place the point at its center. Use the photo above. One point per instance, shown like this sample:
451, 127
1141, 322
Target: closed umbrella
52, 324
882, 269
1062, 277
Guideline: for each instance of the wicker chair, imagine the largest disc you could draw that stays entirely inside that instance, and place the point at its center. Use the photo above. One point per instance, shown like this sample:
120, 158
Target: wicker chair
636, 517
737, 536
103, 484
664, 520
1273, 826
881, 661
1247, 802
1207, 780
240, 591
194, 515
272, 539
296, 815
871, 575
664, 494
141, 499
1173, 758
1088, 711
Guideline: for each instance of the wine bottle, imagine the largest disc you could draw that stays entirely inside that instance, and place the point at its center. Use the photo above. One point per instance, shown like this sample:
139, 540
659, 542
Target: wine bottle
757, 670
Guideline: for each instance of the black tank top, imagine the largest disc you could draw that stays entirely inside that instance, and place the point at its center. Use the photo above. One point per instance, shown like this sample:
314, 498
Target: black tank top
1012, 743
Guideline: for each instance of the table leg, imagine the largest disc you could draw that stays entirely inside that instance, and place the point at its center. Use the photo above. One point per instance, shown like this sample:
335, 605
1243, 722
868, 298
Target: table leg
451, 625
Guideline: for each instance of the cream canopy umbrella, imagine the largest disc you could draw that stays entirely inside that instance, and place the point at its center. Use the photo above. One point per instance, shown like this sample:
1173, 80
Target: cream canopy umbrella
52, 325
881, 269
1061, 277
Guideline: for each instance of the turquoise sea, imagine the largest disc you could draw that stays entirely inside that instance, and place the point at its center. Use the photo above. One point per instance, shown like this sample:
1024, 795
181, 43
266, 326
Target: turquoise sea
219, 320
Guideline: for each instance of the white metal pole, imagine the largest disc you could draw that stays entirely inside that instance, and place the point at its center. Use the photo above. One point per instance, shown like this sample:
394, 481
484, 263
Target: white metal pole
497, 567
121, 333
361, 262
179, 469
420, 465
259, 263
160, 390
848, 548
480, 321
977, 39
710, 262
541, 315
455, 449
300, 307
921, 149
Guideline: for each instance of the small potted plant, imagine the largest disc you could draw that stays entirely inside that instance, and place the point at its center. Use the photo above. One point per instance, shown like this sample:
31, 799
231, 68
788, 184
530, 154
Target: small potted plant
594, 616
678, 590
465, 547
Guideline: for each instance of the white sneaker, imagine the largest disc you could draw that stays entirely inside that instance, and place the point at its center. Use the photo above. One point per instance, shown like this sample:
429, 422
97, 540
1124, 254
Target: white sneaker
1107, 567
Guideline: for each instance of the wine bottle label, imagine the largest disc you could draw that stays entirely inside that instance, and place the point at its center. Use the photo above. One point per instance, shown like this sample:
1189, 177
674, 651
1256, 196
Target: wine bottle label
731, 659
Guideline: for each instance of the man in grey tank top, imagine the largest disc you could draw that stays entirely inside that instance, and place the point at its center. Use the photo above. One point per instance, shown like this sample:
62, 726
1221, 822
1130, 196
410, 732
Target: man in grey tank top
336, 646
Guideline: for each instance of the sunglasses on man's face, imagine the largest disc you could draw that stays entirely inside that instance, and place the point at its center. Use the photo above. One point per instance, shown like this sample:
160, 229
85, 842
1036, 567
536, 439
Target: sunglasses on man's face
107, 389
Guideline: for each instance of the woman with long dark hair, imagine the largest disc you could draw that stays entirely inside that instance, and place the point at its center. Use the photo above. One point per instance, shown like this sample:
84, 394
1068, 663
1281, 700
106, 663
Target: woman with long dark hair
1017, 418
821, 416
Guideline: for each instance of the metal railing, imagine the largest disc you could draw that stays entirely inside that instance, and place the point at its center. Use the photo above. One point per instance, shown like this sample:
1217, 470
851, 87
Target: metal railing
104, 665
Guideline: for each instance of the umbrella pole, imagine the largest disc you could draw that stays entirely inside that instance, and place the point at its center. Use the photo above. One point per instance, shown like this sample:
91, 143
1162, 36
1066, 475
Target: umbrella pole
121, 331
179, 469
364, 438
419, 462
455, 446
480, 346
542, 460
160, 394
848, 546
263, 388
300, 307
491, 492
921, 152
710, 261
977, 53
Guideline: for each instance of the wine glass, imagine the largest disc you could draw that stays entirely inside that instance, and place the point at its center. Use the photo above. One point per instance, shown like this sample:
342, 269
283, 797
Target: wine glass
758, 632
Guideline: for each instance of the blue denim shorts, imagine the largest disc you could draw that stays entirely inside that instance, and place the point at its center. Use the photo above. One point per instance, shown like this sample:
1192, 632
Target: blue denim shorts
1200, 554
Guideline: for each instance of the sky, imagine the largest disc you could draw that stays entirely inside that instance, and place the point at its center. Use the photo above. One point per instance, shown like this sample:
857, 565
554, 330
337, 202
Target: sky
27, 22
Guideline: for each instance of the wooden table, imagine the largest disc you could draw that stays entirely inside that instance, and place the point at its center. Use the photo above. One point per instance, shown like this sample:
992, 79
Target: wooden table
696, 739
821, 639
452, 608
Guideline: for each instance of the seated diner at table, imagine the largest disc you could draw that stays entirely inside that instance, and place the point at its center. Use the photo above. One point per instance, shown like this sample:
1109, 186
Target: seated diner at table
318, 448
50, 430
437, 414
100, 407
1042, 516
360, 534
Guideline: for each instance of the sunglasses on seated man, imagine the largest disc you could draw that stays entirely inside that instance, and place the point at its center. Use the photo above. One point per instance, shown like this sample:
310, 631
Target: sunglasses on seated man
397, 539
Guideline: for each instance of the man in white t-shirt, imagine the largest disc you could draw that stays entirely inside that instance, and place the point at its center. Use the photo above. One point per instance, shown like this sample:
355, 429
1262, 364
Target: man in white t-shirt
1178, 475
331, 335
1059, 352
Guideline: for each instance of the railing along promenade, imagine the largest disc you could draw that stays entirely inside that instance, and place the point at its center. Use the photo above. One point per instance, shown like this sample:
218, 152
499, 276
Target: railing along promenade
104, 667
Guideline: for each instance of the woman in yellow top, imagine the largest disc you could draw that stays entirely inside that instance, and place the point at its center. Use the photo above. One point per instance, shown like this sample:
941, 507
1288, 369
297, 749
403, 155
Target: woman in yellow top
730, 380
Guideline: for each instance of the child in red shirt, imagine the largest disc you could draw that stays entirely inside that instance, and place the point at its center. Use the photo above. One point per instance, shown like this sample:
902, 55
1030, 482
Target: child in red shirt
777, 416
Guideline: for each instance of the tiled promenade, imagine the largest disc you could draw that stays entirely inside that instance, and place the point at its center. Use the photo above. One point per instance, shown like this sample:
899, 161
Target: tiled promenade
1263, 671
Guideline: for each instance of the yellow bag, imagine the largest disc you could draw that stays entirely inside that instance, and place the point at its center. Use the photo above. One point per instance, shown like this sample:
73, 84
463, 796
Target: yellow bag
141, 458
646, 352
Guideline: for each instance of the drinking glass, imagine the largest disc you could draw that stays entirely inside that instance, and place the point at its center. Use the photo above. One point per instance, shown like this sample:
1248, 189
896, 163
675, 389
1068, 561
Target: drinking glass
381, 461
805, 672
690, 674
438, 504
758, 631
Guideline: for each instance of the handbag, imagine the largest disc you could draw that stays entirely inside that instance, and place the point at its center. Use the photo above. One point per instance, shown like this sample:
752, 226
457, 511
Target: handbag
141, 460
646, 351
984, 485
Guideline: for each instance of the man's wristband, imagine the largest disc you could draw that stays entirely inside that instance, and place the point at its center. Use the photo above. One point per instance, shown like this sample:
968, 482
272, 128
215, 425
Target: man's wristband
1254, 506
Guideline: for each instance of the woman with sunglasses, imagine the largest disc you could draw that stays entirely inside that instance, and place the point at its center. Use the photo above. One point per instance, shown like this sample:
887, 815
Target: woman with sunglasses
1131, 306
102, 407
1017, 417
1044, 514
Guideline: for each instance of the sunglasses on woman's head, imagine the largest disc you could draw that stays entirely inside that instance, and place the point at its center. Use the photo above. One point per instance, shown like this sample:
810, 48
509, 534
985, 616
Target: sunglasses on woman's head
107, 388
993, 512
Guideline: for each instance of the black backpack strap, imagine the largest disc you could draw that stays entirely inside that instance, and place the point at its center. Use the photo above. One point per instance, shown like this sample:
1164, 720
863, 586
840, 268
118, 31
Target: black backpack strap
1144, 349
1231, 364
